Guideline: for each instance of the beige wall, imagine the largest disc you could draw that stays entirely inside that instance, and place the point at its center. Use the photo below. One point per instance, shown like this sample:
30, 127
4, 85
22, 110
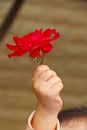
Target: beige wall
68, 58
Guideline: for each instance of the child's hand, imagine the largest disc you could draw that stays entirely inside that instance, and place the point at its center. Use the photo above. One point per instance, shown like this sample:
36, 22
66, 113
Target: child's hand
47, 86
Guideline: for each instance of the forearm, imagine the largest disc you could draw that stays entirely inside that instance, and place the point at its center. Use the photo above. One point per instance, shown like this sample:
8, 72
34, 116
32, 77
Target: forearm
41, 120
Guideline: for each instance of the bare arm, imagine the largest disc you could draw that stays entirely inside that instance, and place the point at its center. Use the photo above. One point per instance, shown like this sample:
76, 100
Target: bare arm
47, 86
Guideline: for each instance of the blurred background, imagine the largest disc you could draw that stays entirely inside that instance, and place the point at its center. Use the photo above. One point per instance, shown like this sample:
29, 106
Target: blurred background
68, 57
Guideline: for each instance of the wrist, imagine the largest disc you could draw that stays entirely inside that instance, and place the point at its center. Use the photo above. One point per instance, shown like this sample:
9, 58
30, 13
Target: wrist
45, 111
50, 111
46, 121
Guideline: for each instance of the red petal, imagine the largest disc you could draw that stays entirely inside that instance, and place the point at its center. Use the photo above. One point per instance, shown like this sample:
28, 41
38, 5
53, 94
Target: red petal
33, 43
47, 48
11, 47
16, 38
35, 53
49, 32
56, 35
18, 53
33, 35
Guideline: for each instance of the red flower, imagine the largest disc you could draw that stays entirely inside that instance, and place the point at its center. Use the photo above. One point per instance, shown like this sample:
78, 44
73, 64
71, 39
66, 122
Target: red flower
36, 43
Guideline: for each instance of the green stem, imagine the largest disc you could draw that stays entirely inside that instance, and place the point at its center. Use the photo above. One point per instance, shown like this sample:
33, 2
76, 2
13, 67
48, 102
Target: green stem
40, 60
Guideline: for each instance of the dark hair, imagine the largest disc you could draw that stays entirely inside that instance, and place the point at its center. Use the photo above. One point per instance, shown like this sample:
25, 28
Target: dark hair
72, 114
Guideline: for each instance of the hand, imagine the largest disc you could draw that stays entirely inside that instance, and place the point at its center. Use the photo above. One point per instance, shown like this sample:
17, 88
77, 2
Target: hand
47, 86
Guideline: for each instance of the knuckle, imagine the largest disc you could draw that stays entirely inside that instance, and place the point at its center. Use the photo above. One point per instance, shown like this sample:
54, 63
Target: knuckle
50, 72
61, 103
53, 72
58, 79
60, 87
42, 67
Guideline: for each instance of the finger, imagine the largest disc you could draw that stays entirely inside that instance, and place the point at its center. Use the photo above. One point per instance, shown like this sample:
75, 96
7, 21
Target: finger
47, 75
38, 70
56, 88
53, 80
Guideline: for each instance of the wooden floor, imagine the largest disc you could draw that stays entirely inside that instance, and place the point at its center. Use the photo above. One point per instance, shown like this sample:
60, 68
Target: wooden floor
68, 58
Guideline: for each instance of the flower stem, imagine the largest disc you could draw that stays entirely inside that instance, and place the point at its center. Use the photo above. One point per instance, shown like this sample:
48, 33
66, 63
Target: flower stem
40, 60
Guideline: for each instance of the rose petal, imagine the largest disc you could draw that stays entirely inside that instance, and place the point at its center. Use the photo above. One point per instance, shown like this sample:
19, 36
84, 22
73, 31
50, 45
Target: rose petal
35, 53
11, 47
18, 53
47, 48
33, 43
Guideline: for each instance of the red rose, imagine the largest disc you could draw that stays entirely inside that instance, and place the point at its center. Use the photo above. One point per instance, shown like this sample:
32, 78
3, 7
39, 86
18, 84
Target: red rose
36, 43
